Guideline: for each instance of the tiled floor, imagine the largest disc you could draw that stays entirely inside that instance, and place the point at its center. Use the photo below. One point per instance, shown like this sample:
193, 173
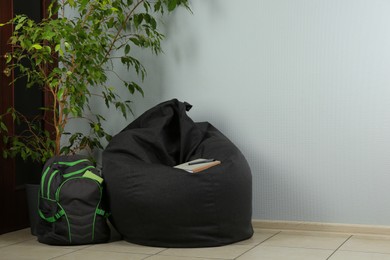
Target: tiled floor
265, 244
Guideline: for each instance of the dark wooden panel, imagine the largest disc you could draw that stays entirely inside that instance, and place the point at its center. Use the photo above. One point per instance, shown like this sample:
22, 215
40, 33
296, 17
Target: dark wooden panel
7, 167
13, 207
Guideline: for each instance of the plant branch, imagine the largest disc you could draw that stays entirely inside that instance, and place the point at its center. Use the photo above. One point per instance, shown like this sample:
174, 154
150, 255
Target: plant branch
120, 30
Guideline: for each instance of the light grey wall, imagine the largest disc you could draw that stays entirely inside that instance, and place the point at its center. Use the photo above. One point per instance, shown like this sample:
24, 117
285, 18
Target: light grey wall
302, 87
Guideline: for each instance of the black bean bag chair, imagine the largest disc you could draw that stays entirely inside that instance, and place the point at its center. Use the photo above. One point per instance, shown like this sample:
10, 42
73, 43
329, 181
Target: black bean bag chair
154, 204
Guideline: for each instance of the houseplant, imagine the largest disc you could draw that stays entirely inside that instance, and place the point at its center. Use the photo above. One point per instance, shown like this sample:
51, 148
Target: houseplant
70, 55
82, 46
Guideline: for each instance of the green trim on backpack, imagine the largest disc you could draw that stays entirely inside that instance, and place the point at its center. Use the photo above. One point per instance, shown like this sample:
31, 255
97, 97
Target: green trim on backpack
43, 179
68, 175
54, 218
70, 164
50, 180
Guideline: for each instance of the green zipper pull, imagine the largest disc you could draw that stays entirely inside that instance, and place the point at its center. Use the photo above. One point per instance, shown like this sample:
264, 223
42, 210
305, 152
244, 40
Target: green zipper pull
91, 175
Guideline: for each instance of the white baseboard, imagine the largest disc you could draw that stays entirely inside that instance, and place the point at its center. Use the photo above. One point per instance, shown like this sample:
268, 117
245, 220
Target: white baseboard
325, 227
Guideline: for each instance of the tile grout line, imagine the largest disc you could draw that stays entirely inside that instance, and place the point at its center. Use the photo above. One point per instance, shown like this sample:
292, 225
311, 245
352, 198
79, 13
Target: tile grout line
193, 257
339, 247
367, 252
151, 255
258, 244
76, 250
15, 243
165, 249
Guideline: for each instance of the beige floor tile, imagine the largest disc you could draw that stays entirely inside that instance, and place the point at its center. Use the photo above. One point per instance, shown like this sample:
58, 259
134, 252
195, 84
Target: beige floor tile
265, 244
258, 237
262, 252
31, 250
350, 255
169, 257
314, 240
224, 252
100, 255
16, 237
375, 244
125, 247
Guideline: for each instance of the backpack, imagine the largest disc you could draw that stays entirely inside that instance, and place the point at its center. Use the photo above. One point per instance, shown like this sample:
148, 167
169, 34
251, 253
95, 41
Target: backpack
71, 206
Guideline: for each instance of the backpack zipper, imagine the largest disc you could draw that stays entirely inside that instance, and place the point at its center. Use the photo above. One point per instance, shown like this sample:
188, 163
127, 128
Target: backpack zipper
68, 175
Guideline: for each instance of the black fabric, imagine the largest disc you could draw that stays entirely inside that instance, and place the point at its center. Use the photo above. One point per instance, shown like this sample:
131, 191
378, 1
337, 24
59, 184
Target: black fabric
154, 204
70, 204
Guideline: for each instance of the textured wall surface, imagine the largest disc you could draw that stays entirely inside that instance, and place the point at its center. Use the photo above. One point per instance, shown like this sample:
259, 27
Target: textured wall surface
302, 87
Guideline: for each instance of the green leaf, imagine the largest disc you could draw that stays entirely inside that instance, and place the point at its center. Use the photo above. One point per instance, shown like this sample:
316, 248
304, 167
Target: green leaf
172, 5
21, 18
48, 35
60, 93
127, 49
37, 46
108, 137
23, 154
65, 150
135, 41
18, 26
67, 45
47, 49
157, 6
96, 127
139, 89
9, 57
3, 127
13, 116
58, 47
153, 23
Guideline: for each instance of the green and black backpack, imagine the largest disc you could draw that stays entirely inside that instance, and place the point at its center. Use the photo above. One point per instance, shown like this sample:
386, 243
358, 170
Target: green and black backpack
71, 206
